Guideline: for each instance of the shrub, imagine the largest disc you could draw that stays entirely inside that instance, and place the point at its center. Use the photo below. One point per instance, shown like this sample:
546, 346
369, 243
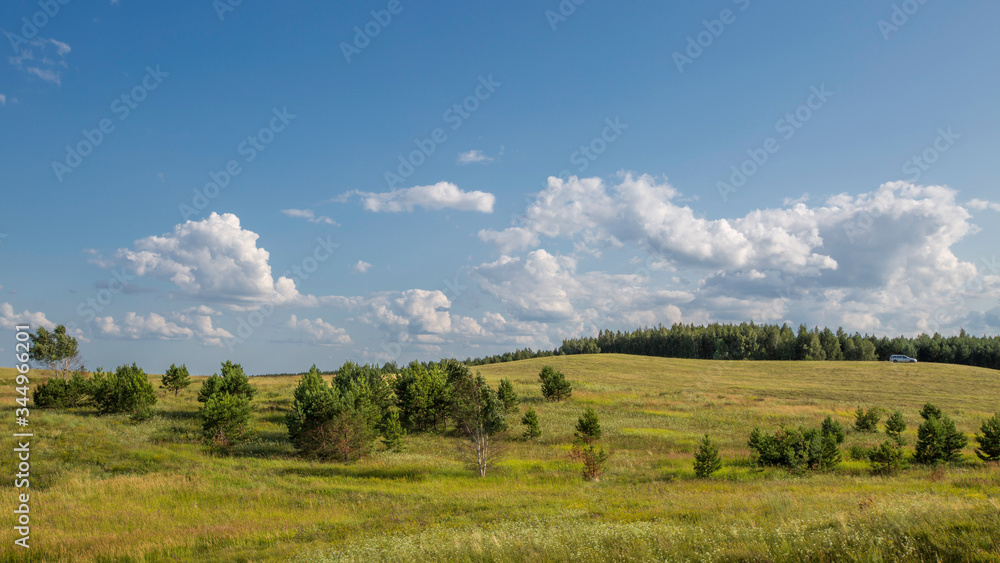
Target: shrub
588, 426
831, 427
346, 437
62, 393
706, 459
554, 385
938, 440
175, 379
887, 459
127, 390
507, 396
226, 419
858, 452
867, 421
796, 449
989, 441
530, 422
232, 381
895, 425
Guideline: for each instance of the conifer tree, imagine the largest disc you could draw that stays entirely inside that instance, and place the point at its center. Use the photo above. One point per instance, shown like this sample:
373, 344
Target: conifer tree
706, 459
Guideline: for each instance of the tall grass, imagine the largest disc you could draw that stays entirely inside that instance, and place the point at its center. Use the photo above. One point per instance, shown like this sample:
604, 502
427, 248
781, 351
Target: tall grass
105, 489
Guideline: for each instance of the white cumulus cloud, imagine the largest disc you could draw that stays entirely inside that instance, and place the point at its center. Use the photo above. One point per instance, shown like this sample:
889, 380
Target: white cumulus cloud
213, 259
317, 331
194, 322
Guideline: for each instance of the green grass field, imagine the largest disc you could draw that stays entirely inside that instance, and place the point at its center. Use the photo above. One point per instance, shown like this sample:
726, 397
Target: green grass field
105, 489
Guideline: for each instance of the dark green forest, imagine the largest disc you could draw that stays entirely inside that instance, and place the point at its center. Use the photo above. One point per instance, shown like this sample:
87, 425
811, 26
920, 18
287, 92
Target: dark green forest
751, 341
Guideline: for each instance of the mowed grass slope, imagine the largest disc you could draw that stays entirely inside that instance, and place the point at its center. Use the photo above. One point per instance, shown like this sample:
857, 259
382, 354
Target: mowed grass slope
106, 489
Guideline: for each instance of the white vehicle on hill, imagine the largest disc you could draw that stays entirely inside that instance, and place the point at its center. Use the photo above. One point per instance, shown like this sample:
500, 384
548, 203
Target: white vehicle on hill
901, 359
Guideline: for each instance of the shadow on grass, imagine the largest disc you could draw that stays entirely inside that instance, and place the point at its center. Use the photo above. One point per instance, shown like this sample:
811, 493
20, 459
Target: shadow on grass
187, 414
275, 418
532, 400
335, 469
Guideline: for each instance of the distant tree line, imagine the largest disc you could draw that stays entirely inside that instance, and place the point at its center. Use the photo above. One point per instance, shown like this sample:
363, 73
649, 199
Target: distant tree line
751, 341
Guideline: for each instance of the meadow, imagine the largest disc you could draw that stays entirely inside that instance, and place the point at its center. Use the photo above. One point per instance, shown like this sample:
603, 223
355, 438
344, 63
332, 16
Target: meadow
107, 489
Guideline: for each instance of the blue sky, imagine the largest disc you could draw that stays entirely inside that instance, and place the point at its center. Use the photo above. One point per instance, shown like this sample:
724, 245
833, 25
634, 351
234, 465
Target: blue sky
574, 167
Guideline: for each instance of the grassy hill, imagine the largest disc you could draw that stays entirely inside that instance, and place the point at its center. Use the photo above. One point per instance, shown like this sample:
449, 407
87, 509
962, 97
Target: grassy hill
106, 489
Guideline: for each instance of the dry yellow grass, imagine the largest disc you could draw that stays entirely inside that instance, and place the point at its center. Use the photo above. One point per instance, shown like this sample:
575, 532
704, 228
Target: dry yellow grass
106, 489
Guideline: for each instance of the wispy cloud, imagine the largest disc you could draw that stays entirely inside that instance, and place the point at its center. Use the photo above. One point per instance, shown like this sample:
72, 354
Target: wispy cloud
443, 195
982, 205
362, 267
308, 215
50, 66
3, 100
474, 157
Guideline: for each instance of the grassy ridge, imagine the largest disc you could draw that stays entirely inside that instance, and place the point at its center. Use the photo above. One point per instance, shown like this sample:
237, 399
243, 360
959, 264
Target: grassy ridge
106, 489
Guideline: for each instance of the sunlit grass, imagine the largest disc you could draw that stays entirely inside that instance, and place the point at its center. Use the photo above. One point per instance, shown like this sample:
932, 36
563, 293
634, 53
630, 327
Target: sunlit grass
107, 489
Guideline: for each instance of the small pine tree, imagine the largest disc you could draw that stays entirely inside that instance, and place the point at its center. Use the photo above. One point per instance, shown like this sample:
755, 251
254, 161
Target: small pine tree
706, 459
62, 393
530, 422
895, 425
588, 427
127, 390
346, 437
989, 441
939, 441
829, 456
226, 419
867, 421
954, 441
833, 428
507, 396
554, 385
175, 379
232, 381
930, 411
393, 432
930, 442
887, 459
